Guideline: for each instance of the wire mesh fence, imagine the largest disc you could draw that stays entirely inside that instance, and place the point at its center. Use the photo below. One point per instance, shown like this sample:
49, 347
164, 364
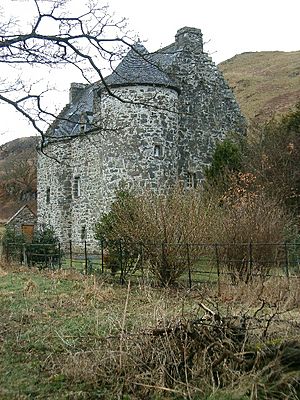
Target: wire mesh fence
167, 263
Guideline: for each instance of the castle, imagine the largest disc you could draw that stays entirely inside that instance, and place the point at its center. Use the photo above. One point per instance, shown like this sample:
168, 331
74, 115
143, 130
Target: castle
154, 121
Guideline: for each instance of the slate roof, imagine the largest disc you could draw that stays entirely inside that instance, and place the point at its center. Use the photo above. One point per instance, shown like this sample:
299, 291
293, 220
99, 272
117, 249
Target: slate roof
139, 67
68, 121
19, 212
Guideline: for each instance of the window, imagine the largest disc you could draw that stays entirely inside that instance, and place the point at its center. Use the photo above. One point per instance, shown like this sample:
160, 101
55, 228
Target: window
191, 180
157, 150
83, 233
76, 188
48, 195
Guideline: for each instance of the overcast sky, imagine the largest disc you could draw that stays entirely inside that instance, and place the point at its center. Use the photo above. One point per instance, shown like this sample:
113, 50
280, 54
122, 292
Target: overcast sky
229, 27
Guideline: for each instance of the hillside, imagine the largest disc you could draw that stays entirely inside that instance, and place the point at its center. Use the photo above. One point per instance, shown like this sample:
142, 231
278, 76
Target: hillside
265, 82
17, 175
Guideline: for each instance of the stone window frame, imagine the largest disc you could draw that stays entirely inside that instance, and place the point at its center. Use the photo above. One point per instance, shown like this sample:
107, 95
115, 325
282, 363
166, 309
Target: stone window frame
76, 187
191, 181
48, 195
157, 150
83, 233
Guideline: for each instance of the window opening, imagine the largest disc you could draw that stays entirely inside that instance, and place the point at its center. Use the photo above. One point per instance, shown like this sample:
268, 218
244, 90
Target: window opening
191, 180
83, 233
76, 186
48, 195
157, 150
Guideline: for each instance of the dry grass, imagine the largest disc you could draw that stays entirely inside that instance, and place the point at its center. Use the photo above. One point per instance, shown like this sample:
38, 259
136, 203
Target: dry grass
265, 83
66, 336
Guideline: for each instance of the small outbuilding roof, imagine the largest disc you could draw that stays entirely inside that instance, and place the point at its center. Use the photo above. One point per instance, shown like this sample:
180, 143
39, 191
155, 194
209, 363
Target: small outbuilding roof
19, 212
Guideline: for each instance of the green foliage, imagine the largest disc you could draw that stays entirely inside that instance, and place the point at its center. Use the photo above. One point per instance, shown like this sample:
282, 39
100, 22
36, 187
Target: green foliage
274, 158
13, 236
45, 235
44, 250
121, 253
105, 228
227, 158
13, 242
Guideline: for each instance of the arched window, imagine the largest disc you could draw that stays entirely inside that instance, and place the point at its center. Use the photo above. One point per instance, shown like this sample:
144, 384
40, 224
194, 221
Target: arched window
157, 151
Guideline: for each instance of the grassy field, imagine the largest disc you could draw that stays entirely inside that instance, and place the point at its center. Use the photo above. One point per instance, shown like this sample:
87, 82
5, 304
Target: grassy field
67, 336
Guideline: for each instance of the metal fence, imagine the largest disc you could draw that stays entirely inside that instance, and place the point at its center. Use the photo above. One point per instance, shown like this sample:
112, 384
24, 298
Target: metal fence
181, 263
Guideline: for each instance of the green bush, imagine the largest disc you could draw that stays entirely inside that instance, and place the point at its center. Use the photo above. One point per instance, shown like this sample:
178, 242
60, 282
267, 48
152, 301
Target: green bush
44, 251
13, 243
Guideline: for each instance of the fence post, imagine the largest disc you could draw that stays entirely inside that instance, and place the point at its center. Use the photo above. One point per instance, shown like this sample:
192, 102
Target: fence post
218, 268
189, 264
7, 251
142, 262
286, 252
85, 258
102, 256
71, 254
24, 255
45, 256
163, 262
59, 256
121, 262
250, 261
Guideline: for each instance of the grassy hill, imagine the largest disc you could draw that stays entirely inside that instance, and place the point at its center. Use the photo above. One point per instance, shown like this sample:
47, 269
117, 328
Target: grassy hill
17, 175
265, 83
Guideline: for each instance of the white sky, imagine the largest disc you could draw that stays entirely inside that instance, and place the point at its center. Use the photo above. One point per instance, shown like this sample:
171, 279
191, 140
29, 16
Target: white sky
229, 27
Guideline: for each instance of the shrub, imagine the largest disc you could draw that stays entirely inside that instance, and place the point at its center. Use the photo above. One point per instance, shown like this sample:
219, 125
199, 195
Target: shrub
247, 224
13, 243
162, 225
227, 159
44, 250
251, 226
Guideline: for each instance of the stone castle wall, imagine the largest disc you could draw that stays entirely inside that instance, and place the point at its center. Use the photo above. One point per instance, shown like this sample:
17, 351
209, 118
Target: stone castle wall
136, 145
207, 107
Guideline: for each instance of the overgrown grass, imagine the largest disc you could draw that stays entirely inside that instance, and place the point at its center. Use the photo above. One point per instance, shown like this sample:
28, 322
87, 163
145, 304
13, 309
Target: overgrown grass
68, 336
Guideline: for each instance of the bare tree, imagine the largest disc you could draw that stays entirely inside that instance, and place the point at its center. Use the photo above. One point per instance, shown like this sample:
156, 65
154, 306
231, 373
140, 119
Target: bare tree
89, 41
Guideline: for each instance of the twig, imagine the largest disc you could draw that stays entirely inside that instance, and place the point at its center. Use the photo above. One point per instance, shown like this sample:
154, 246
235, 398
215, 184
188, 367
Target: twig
123, 324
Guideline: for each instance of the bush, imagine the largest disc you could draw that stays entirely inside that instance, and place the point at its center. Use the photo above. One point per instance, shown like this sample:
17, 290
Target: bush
161, 225
246, 224
44, 250
227, 159
250, 227
13, 245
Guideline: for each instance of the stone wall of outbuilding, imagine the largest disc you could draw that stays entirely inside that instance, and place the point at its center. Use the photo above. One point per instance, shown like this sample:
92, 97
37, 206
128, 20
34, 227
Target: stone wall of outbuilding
24, 217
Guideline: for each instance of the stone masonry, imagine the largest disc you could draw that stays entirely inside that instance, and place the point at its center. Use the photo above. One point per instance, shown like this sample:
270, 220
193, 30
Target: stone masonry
155, 122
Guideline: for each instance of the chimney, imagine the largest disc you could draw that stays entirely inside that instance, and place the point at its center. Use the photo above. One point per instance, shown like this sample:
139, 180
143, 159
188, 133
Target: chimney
75, 91
189, 38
